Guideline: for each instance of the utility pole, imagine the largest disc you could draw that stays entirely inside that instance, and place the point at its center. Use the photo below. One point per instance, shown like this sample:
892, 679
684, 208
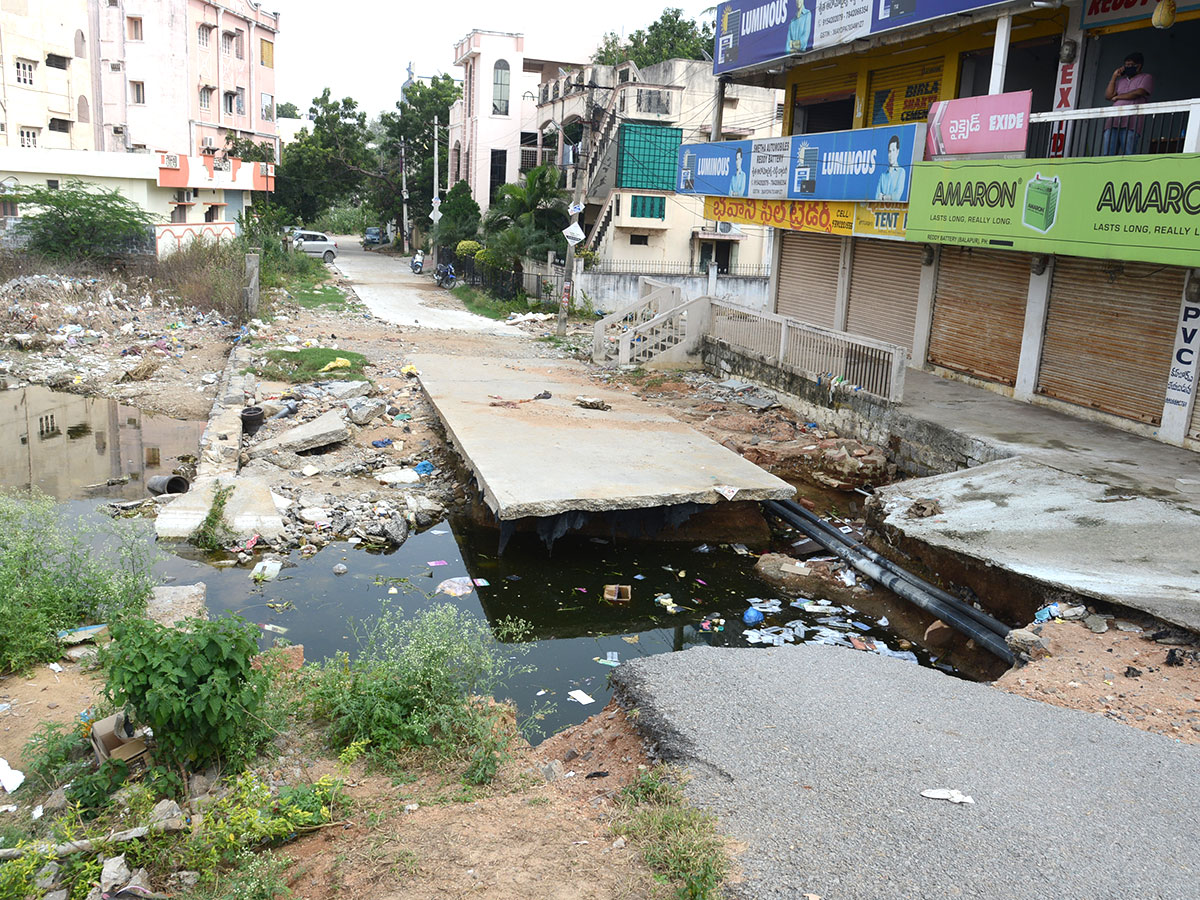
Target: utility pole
564, 304
404, 192
436, 215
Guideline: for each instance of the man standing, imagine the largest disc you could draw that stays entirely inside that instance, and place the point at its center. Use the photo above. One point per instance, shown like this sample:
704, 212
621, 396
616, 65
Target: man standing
800, 30
1128, 86
891, 182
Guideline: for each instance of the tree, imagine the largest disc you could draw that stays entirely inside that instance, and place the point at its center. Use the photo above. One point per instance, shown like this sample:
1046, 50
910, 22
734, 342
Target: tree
248, 149
528, 219
287, 111
80, 220
671, 37
460, 216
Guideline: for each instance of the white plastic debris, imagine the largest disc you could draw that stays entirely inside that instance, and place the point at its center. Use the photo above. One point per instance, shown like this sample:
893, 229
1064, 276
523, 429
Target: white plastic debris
581, 697
10, 778
951, 794
267, 570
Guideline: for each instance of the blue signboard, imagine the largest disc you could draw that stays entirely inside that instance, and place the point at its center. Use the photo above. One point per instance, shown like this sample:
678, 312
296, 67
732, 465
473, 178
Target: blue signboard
751, 32
863, 165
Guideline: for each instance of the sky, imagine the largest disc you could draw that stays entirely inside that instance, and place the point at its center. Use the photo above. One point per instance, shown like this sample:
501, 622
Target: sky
362, 50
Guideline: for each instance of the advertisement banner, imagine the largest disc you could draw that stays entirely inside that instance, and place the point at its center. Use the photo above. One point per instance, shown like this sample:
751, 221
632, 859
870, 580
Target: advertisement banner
1095, 13
995, 124
752, 32
888, 221
1144, 208
864, 164
792, 215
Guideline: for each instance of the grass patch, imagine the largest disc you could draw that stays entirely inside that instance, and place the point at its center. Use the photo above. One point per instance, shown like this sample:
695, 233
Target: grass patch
305, 365
483, 304
214, 533
677, 840
317, 296
307, 283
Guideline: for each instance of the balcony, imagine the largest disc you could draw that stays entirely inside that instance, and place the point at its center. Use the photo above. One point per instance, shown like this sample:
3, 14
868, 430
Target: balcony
1172, 127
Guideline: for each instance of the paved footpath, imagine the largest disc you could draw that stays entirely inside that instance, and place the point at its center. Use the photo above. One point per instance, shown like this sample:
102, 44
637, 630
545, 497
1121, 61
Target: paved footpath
816, 757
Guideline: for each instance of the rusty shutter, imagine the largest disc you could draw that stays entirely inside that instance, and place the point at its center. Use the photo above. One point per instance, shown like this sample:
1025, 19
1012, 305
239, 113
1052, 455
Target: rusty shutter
1110, 329
808, 277
885, 278
902, 94
979, 312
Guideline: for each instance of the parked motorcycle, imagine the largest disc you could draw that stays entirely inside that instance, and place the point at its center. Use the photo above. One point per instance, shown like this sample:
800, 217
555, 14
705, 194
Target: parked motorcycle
443, 275
418, 262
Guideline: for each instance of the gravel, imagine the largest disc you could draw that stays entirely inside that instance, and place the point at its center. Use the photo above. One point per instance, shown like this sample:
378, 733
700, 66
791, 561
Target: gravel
815, 757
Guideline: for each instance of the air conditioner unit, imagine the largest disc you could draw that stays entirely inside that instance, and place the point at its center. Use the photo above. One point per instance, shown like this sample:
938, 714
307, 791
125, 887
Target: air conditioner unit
727, 228
118, 129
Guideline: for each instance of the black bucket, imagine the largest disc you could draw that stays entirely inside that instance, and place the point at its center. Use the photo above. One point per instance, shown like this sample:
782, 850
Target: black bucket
167, 484
252, 419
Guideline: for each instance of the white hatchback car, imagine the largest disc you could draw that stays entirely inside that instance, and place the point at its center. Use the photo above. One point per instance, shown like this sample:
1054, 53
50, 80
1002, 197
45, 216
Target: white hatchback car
314, 243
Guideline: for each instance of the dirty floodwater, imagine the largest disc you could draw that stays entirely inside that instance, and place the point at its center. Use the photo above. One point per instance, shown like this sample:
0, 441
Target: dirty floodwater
77, 445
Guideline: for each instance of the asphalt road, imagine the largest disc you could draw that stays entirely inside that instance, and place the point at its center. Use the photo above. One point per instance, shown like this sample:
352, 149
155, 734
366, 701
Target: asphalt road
816, 757
394, 294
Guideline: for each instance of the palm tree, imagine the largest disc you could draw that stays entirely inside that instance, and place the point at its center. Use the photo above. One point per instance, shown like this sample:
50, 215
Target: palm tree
531, 215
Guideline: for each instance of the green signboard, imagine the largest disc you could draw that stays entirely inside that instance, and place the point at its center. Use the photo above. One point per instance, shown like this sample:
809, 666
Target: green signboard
1136, 207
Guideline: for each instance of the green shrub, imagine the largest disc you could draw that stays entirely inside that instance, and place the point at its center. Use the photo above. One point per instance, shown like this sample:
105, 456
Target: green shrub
488, 257
206, 274
467, 249
256, 876
79, 220
194, 687
346, 218
55, 754
92, 792
422, 683
52, 578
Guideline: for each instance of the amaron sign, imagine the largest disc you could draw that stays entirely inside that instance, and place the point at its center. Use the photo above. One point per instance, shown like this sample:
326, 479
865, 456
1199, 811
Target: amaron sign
1137, 208
993, 125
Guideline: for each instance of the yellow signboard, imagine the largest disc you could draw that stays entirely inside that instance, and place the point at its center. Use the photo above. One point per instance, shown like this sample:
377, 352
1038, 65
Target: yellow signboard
881, 220
827, 217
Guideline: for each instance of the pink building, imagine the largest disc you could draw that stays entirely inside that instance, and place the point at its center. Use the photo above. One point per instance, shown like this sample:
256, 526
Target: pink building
146, 102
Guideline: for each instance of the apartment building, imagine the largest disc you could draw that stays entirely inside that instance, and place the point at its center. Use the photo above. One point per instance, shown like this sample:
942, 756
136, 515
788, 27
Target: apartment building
46, 80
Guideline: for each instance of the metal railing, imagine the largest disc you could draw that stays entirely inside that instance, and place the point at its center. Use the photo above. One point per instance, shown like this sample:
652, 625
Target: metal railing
672, 267
654, 299
1172, 127
835, 358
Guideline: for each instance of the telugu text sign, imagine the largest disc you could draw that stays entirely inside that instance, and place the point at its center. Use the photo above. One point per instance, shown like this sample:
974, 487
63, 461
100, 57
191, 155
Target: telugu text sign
993, 124
791, 215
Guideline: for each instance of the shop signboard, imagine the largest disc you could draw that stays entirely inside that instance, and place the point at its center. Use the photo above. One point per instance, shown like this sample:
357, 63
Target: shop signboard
1097, 13
1144, 208
752, 32
888, 221
996, 124
864, 164
792, 215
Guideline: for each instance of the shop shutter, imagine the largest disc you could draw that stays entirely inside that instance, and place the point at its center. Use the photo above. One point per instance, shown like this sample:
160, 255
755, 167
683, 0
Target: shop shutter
808, 277
1110, 330
885, 278
819, 86
979, 312
902, 94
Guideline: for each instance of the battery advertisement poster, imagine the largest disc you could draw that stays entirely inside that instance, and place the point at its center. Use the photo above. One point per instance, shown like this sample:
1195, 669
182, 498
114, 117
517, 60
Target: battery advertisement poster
1144, 208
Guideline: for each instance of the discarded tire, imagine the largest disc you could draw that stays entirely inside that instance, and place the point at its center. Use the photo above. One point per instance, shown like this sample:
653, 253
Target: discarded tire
167, 484
252, 419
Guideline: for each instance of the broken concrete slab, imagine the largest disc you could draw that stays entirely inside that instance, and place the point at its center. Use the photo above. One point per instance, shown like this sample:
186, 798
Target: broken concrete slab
250, 510
346, 390
363, 409
171, 604
397, 476
328, 428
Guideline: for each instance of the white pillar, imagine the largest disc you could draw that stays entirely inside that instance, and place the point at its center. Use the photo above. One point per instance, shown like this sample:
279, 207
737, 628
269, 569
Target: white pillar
712, 279
1037, 304
1185, 366
1000, 54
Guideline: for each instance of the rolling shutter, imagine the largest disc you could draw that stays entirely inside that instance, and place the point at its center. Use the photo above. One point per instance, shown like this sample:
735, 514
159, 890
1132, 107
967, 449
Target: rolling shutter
979, 312
1110, 330
903, 94
885, 278
808, 277
818, 86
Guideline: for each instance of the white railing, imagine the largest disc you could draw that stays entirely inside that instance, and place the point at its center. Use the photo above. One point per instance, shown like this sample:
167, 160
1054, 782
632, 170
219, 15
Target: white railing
654, 299
1171, 127
671, 336
835, 358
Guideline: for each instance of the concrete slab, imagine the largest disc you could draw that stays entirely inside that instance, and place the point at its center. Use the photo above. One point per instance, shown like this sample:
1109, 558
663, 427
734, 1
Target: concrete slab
546, 457
327, 428
1063, 530
250, 510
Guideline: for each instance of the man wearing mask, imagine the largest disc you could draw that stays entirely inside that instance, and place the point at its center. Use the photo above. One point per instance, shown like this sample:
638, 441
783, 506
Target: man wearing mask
1129, 85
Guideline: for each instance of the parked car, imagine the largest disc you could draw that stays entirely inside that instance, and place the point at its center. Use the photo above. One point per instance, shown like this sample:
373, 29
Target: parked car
373, 237
314, 243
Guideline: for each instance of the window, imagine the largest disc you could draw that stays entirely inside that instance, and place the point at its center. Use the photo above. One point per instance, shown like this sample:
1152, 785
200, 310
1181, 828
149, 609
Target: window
24, 72
500, 89
238, 46
647, 207
54, 61
203, 33
267, 108
227, 43
639, 240
114, 66
83, 112
52, 184
266, 53
499, 171
61, 125
80, 44
240, 101
230, 99
8, 209
29, 137
133, 28
212, 214
206, 97
137, 93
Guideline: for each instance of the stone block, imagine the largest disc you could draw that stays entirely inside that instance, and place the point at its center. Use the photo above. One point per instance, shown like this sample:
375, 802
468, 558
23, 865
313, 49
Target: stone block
171, 604
326, 429
363, 409
346, 390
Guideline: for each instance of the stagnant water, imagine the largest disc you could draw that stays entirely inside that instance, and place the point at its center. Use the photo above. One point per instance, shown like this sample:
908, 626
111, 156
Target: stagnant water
560, 596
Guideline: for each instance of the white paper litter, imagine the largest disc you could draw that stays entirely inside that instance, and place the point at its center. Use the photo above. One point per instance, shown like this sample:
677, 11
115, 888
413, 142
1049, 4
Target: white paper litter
951, 794
10, 778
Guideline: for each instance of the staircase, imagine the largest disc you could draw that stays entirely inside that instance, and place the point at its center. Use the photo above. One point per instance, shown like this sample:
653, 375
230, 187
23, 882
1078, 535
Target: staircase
662, 326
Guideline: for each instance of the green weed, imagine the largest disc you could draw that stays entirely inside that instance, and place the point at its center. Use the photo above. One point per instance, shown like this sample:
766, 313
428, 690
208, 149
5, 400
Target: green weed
54, 755
306, 365
483, 304
214, 532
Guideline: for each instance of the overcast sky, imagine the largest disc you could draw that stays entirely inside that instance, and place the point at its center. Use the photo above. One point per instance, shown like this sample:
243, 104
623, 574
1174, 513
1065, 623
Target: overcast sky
361, 49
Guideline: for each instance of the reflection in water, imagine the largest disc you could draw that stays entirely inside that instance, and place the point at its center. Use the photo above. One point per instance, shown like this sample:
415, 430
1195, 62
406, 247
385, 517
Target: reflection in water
70, 446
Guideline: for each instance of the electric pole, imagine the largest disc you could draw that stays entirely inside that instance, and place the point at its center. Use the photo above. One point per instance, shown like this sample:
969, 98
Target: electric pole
404, 192
436, 215
564, 304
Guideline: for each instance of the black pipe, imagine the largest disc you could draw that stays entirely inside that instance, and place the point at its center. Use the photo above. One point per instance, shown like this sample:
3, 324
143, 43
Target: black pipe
958, 603
953, 617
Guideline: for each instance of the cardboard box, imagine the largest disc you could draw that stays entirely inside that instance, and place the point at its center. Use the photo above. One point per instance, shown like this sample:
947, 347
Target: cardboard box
136, 755
618, 593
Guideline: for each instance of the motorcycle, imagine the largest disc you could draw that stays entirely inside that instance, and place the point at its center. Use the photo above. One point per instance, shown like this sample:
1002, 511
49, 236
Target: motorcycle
443, 276
418, 262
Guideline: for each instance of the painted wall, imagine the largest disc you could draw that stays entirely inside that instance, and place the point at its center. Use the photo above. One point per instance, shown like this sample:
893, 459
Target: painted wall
609, 292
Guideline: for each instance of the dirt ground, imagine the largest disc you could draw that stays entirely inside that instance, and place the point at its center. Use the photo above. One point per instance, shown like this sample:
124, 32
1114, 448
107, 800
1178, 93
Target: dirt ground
42, 696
